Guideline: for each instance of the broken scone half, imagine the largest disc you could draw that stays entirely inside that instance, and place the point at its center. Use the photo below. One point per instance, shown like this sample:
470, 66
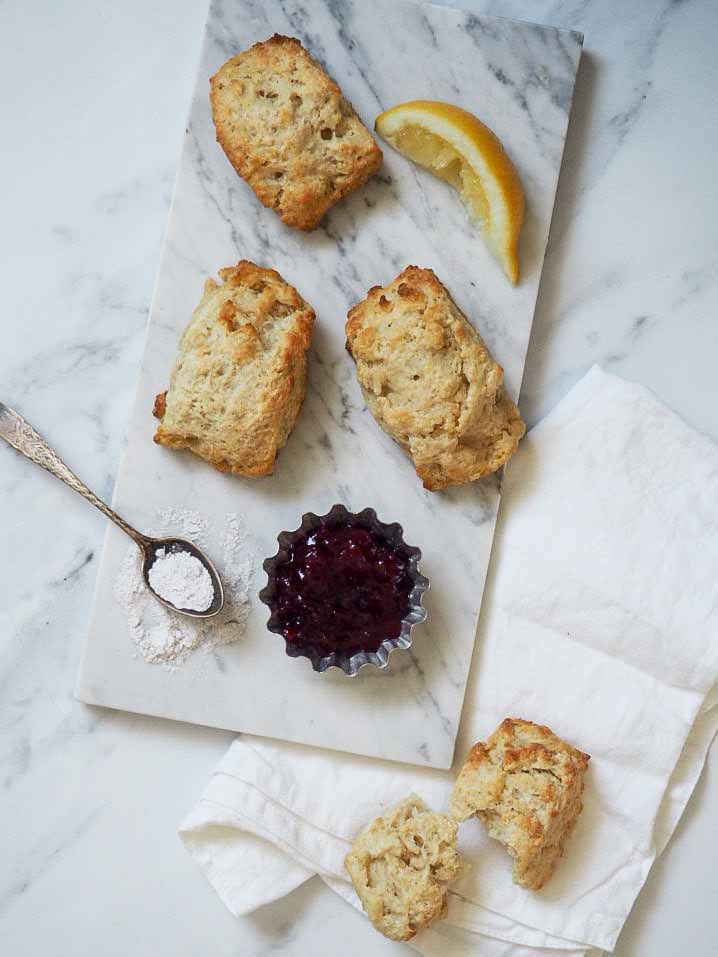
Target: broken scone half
525, 784
401, 866
241, 372
288, 130
430, 382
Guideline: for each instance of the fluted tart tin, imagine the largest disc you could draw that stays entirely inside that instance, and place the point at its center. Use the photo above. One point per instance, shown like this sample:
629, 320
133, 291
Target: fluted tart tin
348, 575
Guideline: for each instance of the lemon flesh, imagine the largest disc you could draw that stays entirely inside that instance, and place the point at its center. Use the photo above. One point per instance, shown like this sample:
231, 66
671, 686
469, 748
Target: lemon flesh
458, 148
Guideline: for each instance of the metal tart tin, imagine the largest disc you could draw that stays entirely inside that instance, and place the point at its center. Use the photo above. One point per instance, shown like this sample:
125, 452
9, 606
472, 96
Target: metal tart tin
393, 534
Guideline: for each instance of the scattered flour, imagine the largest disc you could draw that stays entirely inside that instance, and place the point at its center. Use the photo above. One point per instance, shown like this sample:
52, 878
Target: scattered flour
182, 579
164, 637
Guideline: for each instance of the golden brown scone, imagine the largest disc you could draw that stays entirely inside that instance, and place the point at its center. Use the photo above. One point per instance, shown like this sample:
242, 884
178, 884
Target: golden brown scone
240, 376
289, 132
525, 784
401, 866
430, 381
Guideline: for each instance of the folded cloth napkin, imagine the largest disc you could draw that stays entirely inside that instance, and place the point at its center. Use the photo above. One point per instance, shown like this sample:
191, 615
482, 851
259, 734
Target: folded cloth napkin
600, 619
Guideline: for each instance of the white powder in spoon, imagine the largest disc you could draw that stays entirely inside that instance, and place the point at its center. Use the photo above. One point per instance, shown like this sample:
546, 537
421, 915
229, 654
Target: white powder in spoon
182, 579
161, 635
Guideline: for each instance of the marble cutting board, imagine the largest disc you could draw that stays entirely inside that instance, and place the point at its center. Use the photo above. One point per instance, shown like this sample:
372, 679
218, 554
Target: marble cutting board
519, 79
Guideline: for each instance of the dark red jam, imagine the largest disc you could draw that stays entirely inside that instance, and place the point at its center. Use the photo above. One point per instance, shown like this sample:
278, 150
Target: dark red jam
342, 589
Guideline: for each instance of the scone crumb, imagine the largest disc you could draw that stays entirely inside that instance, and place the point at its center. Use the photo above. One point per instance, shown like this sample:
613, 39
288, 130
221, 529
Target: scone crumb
158, 409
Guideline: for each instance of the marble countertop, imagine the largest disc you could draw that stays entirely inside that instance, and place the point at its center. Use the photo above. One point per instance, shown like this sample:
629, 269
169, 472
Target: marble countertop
94, 99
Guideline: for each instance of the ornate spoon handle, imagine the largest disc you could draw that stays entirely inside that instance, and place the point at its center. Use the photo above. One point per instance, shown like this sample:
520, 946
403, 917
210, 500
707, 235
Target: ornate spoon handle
21, 435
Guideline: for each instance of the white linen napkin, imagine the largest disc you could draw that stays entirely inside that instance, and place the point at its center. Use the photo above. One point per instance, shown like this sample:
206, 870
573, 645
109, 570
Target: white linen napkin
600, 619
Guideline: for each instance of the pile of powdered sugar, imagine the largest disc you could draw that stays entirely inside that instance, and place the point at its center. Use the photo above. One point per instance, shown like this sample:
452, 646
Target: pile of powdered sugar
163, 636
181, 578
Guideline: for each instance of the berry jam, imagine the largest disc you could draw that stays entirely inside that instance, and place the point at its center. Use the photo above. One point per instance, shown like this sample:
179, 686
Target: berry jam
342, 589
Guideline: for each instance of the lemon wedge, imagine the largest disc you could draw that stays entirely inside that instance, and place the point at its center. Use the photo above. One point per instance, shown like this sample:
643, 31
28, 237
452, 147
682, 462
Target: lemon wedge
459, 148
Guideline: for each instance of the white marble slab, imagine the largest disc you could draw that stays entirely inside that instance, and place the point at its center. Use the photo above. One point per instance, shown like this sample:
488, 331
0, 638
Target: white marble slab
519, 79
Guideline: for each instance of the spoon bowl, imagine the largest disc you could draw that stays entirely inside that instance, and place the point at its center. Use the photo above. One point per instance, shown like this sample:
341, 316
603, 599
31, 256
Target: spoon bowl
150, 548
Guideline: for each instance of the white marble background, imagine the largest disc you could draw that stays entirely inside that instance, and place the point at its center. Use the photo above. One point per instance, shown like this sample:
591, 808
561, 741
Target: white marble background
93, 103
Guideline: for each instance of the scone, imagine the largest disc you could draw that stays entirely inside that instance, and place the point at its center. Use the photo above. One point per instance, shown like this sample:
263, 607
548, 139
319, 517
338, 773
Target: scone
525, 784
240, 375
401, 866
430, 382
289, 132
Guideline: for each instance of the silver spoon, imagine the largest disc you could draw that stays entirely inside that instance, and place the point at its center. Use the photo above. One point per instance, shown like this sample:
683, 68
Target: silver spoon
21, 435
